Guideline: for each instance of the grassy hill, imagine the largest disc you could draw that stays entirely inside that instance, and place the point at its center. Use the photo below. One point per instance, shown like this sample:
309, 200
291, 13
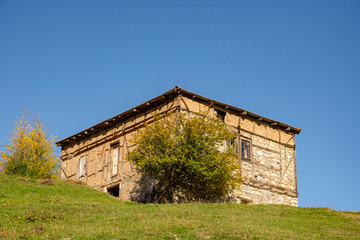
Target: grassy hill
33, 209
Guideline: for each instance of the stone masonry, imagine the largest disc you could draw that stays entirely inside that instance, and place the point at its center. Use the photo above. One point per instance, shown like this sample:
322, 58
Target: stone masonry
97, 155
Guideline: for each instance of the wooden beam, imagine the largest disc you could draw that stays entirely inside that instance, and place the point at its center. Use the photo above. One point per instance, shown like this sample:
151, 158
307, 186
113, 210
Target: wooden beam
274, 123
287, 166
243, 113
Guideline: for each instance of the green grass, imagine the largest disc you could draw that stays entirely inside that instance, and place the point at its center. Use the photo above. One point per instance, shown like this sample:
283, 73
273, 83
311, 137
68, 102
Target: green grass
65, 210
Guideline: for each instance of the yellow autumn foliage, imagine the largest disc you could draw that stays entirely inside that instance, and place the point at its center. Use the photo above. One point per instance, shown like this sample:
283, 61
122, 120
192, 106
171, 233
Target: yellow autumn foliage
30, 151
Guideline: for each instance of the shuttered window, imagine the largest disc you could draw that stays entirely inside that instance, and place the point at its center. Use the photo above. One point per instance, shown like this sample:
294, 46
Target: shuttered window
245, 149
115, 159
82, 167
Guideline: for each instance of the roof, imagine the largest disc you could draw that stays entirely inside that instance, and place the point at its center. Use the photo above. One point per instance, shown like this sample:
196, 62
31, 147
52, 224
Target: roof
162, 98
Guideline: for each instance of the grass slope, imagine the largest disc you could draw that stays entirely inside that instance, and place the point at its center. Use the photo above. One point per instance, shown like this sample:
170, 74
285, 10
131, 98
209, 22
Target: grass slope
65, 210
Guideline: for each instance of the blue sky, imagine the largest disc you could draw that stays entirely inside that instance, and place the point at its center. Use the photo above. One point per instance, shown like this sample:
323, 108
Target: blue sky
77, 63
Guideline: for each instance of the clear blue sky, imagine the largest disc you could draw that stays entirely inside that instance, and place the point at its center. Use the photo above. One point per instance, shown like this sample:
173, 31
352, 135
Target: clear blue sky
80, 62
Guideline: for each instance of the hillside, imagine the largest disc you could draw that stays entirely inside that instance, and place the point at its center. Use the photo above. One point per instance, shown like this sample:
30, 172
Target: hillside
64, 210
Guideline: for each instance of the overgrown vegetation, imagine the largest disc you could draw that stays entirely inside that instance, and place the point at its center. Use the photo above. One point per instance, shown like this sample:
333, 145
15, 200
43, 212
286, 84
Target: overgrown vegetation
187, 155
30, 152
66, 210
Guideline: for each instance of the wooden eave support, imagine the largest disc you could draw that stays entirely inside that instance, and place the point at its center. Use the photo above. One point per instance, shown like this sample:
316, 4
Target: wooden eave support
170, 94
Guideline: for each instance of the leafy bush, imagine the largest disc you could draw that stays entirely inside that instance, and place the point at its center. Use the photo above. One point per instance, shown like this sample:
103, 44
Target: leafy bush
30, 152
187, 155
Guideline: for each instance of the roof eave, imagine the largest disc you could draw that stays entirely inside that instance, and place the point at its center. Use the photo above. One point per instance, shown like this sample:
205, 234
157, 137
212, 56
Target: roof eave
153, 102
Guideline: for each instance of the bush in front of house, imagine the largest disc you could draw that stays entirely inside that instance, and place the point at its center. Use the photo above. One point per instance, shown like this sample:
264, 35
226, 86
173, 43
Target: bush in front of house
187, 155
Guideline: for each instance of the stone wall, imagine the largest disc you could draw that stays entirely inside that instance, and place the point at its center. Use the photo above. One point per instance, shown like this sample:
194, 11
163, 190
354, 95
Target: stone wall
97, 149
256, 195
269, 176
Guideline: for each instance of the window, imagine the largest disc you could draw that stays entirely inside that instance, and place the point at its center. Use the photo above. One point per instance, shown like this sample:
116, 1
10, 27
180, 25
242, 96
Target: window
82, 167
115, 159
245, 149
232, 145
114, 190
220, 114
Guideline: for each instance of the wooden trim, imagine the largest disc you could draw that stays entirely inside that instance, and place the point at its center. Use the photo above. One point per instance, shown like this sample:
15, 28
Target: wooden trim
251, 158
258, 135
266, 149
255, 134
287, 166
86, 167
118, 159
182, 100
99, 163
61, 169
117, 134
108, 165
296, 185
280, 152
239, 136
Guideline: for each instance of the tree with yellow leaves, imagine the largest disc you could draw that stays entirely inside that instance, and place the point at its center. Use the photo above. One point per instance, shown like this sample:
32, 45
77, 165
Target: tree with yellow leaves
30, 152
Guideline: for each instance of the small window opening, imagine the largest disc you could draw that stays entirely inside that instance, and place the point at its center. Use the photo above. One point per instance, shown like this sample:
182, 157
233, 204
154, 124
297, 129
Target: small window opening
81, 167
220, 114
233, 145
114, 190
245, 149
115, 159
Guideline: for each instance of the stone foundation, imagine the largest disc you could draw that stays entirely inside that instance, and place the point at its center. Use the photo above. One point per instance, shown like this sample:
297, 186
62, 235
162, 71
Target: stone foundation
138, 188
254, 195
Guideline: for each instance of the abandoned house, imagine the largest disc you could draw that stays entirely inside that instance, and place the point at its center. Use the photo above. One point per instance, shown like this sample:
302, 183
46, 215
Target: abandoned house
265, 149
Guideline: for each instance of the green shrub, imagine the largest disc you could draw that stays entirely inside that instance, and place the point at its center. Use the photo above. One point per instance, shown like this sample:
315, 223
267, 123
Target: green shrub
189, 155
